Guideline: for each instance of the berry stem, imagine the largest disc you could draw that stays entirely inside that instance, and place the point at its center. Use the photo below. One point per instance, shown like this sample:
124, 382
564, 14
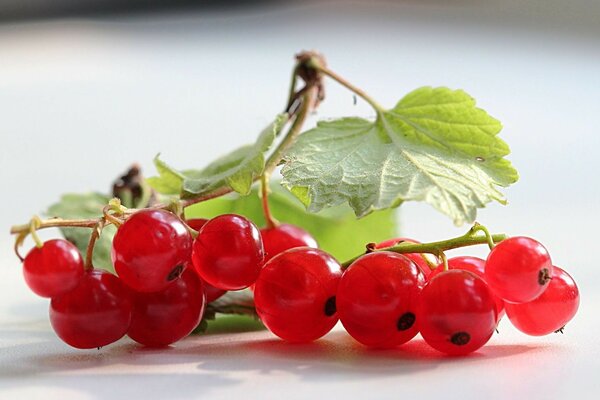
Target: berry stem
478, 227
471, 238
318, 65
271, 222
89, 254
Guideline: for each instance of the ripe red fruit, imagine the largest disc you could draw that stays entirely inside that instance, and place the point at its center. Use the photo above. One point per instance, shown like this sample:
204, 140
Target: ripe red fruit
456, 312
551, 310
96, 313
164, 317
377, 299
518, 269
228, 252
475, 265
417, 258
295, 294
151, 249
53, 269
284, 237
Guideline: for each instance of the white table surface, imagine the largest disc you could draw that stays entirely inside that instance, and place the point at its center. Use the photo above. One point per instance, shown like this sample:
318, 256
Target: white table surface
192, 85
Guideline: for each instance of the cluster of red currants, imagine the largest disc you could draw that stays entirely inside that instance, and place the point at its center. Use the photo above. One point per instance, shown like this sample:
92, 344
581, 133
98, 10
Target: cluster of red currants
383, 299
164, 276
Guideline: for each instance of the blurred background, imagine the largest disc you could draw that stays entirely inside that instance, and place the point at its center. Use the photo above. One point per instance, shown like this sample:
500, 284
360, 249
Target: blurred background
87, 88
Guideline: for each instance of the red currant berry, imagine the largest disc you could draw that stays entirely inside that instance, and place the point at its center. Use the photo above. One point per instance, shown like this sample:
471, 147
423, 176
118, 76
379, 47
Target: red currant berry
551, 310
295, 294
228, 252
377, 299
284, 237
53, 269
164, 317
456, 312
196, 223
518, 269
151, 249
96, 313
417, 258
475, 265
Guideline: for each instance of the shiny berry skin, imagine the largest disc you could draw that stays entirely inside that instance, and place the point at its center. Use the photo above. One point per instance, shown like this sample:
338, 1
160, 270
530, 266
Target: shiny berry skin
417, 258
377, 299
228, 252
96, 313
164, 317
151, 249
518, 269
295, 294
456, 313
551, 310
475, 265
284, 237
53, 269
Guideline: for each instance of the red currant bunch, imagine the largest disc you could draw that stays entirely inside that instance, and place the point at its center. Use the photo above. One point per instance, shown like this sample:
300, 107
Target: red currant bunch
165, 278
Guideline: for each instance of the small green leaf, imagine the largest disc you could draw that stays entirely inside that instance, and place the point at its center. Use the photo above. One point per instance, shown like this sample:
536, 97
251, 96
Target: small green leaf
169, 180
236, 170
85, 206
336, 229
434, 146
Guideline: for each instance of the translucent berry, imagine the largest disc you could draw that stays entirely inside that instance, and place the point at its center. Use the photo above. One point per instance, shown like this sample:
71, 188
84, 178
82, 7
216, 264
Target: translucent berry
53, 269
295, 294
550, 311
475, 265
284, 237
456, 312
164, 317
96, 313
228, 252
377, 299
151, 249
518, 269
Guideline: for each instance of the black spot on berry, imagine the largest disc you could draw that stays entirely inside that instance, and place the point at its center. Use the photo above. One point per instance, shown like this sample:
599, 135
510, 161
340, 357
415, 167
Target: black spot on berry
544, 276
330, 307
175, 273
405, 321
460, 338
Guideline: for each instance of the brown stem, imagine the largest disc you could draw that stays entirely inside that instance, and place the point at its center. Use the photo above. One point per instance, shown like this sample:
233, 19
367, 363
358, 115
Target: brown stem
96, 232
56, 223
270, 221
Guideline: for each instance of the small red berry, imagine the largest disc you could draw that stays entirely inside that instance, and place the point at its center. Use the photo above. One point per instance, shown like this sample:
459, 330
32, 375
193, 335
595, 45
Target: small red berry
295, 294
96, 313
284, 237
228, 252
151, 249
53, 269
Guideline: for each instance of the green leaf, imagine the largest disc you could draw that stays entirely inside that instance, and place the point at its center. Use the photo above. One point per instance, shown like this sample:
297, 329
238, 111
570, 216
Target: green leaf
236, 170
84, 206
336, 229
434, 146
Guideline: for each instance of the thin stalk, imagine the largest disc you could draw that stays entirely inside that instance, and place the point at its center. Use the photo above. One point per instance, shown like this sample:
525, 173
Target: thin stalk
270, 221
437, 248
96, 232
314, 63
